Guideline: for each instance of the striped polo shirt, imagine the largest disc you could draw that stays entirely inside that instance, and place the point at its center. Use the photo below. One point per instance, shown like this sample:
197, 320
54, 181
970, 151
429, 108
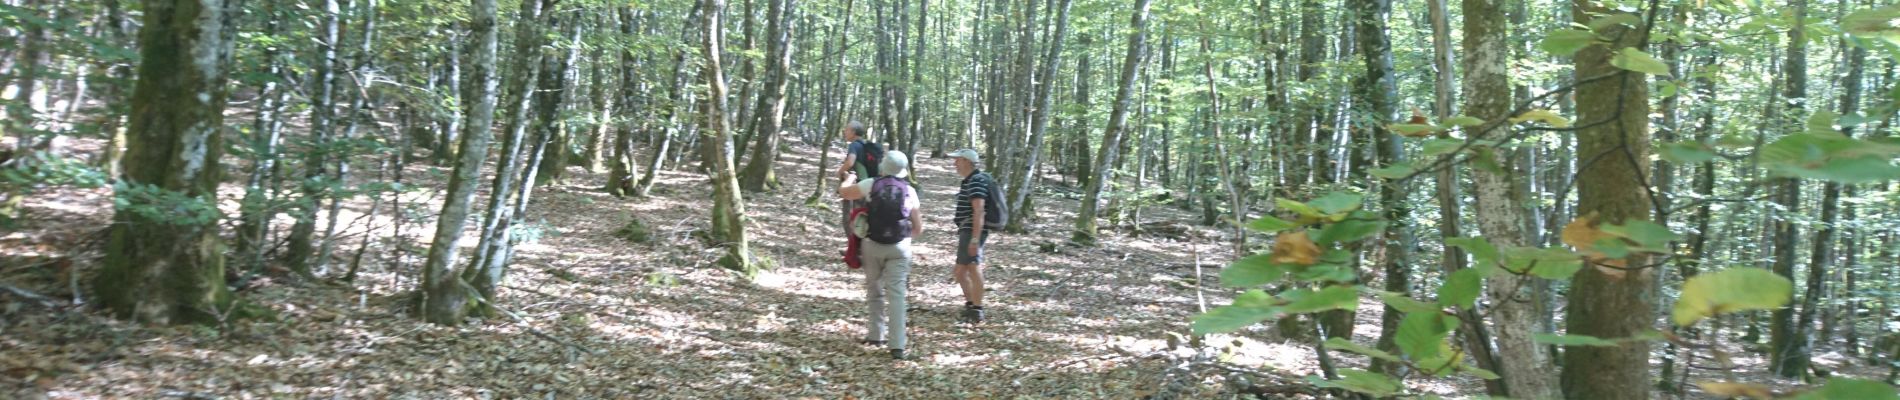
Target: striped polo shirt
976, 186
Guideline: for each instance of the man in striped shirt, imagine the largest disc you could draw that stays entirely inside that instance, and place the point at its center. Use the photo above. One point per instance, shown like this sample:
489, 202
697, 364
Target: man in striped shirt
977, 191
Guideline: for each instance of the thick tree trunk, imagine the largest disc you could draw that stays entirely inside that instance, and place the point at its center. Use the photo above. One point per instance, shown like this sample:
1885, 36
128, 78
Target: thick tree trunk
1606, 302
529, 61
167, 269
1085, 225
1500, 213
1476, 338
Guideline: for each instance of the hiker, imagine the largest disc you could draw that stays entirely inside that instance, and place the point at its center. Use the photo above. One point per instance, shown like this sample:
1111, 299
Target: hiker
891, 219
979, 211
861, 157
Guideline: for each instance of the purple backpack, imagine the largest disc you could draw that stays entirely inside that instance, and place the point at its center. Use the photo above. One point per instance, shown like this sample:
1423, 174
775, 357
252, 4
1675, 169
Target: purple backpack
888, 219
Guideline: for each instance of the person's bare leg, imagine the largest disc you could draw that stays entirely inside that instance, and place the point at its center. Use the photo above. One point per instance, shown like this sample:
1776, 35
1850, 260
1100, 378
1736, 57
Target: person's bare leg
974, 291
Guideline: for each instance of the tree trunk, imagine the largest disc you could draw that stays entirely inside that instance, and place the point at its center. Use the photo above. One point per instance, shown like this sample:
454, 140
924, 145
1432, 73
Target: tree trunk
1378, 90
621, 165
681, 99
255, 209
728, 212
1500, 213
1604, 302
322, 109
1085, 227
169, 268
494, 235
1788, 354
770, 116
1475, 337
445, 297
1024, 186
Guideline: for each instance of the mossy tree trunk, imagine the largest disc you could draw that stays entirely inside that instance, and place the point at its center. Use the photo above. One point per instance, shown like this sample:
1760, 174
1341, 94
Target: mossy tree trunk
162, 267
1085, 224
770, 115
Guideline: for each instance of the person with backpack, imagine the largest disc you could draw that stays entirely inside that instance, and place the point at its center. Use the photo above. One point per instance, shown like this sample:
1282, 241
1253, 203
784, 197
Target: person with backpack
891, 217
861, 157
980, 210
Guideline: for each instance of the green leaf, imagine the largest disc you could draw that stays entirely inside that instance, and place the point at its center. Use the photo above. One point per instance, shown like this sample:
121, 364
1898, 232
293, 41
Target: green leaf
1731, 290
1687, 152
1325, 272
1565, 42
1375, 384
1349, 229
1480, 249
1407, 304
1439, 147
1822, 122
1649, 236
1336, 297
1600, 23
1338, 202
1636, 60
1348, 345
1413, 130
1395, 170
1270, 224
1461, 289
1547, 263
1252, 271
1421, 334
1481, 373
1248, 309
1572, 340
1546, 116
1881, 22
1855, 389
1299, 208
1832, 157
1462, 121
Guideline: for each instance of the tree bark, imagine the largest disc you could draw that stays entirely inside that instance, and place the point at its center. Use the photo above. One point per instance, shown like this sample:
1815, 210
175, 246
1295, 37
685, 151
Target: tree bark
1378, 90
728, 214
1500, 210
770, 117
1605, 302
445, 299
322, 109
1039, 120
1788, 354
167, 267
1085, 225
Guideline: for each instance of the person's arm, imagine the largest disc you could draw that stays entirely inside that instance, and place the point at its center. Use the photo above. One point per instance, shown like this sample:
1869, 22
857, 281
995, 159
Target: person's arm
976, 221
849, 162
850, 189
916, 215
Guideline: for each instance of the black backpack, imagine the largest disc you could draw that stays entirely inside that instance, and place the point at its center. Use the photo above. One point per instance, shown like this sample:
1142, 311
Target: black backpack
886, 217
869, 155
995, 213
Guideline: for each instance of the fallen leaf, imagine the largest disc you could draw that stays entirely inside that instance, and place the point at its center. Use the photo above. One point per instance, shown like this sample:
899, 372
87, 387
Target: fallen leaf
1737, 389
1295, 248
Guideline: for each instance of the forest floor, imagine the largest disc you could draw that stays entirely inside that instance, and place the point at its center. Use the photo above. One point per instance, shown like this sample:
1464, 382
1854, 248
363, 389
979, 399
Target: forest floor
606, 317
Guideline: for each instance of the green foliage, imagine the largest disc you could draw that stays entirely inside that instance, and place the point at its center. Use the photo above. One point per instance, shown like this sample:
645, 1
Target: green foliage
1832, 157
155, 204
1881, 22
1270, 224
1254, 270
1361, 381
1566, 42
1686, 152
1335, 297
1572, 340
1636, 60
1856, 389
1347, 345
1731, 290
1461, 289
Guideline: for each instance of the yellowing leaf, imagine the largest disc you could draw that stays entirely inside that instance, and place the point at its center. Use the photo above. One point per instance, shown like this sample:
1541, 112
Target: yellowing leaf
1295, 248
1583, 234
1731, 290
1545, 116
1737, 389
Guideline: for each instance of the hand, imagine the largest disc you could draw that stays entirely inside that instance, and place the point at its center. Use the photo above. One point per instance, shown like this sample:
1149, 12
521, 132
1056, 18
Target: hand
972, 249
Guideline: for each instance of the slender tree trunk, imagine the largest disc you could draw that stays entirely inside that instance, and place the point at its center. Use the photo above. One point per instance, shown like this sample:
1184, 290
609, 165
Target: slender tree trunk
353, 116
1085, 227
1039, 121
621, 166
256, 211
770, 117
170, 269
1788, 354
680, 104
728, 212
316, 159
494, 235
1378, 90
1475, 337
445, 295
1605, 302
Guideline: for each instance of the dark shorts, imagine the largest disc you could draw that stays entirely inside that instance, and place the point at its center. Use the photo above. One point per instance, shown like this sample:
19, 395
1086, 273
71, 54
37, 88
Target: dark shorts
963, 247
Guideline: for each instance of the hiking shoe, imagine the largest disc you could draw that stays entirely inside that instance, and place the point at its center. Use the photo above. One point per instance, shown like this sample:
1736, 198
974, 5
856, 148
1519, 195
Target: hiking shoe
897, 354
973, 314
868, 342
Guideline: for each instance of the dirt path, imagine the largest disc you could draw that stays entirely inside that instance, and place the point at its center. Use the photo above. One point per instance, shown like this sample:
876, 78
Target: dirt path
655, 320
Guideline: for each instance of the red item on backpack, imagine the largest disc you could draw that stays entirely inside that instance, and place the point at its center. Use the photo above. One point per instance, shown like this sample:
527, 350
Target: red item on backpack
852, 243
